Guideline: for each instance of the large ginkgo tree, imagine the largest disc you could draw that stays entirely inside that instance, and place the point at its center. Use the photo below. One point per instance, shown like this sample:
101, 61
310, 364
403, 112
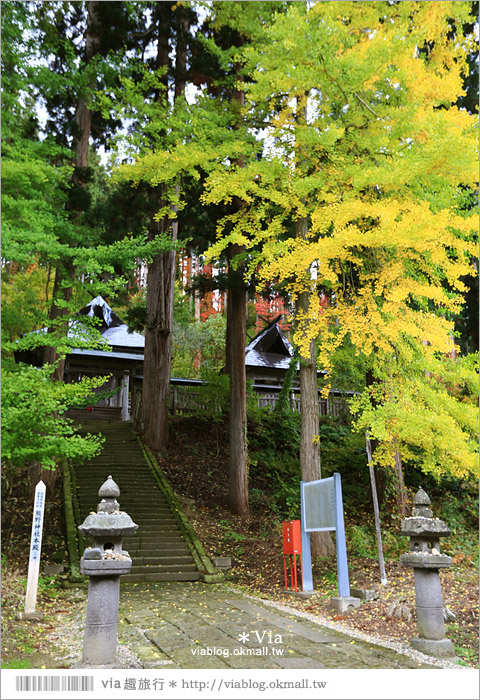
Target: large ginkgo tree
359, 208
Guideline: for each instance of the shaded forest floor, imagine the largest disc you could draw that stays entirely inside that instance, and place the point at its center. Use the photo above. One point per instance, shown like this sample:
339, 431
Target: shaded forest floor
196, 464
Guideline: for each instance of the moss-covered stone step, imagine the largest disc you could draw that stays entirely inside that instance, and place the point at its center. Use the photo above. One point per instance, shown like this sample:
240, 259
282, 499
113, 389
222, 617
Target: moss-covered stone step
145, 578
159, 550
163, 560
162, 568
174, 552
165, 540
152, 523
158, 543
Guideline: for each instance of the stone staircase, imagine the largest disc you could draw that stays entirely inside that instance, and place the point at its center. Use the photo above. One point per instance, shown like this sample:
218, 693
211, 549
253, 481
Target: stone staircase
158, 550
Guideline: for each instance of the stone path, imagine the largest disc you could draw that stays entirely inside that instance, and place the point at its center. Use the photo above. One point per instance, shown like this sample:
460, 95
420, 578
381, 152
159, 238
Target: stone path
195, 625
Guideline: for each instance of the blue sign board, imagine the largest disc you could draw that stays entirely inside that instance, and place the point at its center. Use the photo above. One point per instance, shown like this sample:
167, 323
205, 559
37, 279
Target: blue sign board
322, 510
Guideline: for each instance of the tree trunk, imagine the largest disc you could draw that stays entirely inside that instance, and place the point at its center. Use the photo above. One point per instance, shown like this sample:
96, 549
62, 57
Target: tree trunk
181, 52
158, 350
236, 331
309, 438
83, 114
58, 328
160, 283
400, 486
321, 542
235, 346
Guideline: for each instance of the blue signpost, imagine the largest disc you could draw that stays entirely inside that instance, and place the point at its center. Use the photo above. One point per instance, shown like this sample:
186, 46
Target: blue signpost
321, 510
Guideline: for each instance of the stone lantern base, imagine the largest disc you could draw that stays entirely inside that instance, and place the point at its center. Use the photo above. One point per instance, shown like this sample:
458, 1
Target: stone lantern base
441, 648
81, 664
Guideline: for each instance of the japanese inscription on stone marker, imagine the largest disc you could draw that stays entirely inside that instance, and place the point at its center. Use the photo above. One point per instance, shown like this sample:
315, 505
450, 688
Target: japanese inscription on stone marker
37, 525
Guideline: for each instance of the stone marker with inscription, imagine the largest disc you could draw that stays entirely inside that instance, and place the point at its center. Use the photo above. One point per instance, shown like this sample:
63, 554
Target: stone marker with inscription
30, 612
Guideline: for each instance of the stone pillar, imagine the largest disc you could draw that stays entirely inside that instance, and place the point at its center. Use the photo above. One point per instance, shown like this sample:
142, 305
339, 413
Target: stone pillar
424, 556
124, 397
100, 637
104, 563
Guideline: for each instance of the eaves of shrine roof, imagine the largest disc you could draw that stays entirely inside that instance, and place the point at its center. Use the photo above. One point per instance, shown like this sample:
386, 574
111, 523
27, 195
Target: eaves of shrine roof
271, 360
107, 355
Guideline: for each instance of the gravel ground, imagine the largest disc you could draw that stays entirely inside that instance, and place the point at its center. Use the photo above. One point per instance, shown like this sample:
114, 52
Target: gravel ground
381, 641
67, 639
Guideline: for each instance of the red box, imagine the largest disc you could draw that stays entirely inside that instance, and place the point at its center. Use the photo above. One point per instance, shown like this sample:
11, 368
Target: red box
292, 545
292, 537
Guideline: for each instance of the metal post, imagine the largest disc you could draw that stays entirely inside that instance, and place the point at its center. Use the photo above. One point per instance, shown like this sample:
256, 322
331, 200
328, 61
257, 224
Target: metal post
383, 575
307, 577
342, 565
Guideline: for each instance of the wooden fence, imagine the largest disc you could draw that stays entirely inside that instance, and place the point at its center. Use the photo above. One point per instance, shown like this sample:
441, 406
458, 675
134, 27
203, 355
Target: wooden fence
190, 396
335, 405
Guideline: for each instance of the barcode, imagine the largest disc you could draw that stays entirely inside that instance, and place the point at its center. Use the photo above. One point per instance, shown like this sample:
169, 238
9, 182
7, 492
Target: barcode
52, 683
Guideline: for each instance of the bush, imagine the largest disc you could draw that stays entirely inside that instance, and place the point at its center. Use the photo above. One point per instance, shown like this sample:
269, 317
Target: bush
198, 349
34, 427
274, 446
215, 397
361, 541
273, 450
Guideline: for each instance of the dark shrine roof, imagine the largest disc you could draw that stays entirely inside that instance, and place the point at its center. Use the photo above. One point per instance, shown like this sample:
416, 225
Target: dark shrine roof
100, 309
269, 349
112, 328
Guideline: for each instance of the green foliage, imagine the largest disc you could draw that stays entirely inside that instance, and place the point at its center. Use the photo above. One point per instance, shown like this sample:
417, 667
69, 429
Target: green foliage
19, 663
361, 541
48, 586
273, 452
283, 401
458, 508
135, 314
229, 533
348, 369
430, 409
199, 347
34, 426
340, 449
36, 225
215, 396
23, 301
468, 656
360, 151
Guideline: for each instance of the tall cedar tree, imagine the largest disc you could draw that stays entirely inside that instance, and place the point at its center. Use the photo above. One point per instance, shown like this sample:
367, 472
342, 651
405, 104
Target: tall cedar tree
215, 133
161, 271
73, 40
64, 272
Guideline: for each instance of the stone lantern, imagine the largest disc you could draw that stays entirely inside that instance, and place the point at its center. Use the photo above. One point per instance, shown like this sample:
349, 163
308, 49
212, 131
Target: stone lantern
424, 556
104, 563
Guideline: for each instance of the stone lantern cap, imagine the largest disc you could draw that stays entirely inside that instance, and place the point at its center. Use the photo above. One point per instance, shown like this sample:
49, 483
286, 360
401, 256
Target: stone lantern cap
109, 521
422, 523
424, 531
424, 527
